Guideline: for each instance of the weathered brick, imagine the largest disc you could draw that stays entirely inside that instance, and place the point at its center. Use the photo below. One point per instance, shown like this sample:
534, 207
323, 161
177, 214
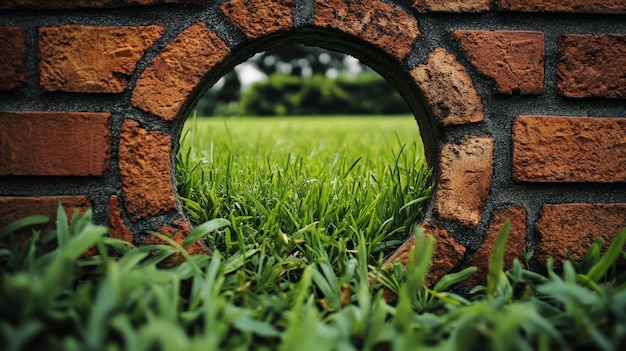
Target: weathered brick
574, 227
117, 227
383, 25
145, 171
449, 90
257, 18
83, 4
55, 143
167, 82
448, 253
515, 245
513, 59
464, 180
569, 149
451, 5
85, 59
177, 231
574, 6
14, 208
13, 58
592, 66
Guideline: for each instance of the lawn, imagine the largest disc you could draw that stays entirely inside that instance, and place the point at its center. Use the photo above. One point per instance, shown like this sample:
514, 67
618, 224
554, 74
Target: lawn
300, 221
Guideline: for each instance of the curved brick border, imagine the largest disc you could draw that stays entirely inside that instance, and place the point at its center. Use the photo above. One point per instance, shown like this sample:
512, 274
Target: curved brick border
90, 113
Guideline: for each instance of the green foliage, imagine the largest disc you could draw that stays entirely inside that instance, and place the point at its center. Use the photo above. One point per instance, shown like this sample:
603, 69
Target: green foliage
282, 94
258, 296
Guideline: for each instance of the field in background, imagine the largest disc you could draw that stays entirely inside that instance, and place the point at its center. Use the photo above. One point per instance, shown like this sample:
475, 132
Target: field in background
280, 177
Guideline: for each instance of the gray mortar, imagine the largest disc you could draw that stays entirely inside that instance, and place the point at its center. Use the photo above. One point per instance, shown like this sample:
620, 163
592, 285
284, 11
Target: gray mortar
500, 110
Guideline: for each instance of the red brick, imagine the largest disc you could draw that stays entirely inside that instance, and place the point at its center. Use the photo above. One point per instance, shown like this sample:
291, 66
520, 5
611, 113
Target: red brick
451, 5
515, 245
464, 180
86, 59
569, 149
449, 90
381, 24
84, 4
168, 81
145, 171
177, 231
55, 143
574, 6
257, 18
448, 253
15, 208
117, 227
513, 59
574, 227
592, 66
13, 58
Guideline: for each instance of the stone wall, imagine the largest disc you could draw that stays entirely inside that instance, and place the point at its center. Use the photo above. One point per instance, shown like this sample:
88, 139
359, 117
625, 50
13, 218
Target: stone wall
521, 105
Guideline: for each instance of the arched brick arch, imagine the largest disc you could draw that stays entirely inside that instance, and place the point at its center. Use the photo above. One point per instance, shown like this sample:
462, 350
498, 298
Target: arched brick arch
93, 112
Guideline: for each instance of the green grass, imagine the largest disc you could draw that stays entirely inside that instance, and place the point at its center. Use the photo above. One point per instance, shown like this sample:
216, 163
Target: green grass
276, 283
281, 178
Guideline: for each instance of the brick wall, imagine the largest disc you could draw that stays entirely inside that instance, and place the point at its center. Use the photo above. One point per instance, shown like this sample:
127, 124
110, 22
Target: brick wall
521, 105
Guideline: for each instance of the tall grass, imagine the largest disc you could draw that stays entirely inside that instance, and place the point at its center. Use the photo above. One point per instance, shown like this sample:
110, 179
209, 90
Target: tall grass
281, 178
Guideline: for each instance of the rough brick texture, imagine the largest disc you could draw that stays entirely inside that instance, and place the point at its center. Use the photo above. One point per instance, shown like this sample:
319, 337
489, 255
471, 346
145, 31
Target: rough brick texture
167, 82
15, 208
87, 59
574, 227
448, 253
376, 22
569, 149
117, 227
515, 245
257, 18
464, 180
13, 58
577, 6
451, 5
145, 171
449, 90
592, 66
512, 59
55, 143
84, 4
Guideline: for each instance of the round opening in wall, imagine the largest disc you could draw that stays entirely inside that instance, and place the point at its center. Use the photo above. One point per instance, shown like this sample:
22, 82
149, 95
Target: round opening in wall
298, 143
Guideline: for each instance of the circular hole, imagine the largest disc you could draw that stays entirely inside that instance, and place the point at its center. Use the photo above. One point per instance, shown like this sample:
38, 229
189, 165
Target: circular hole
299, 140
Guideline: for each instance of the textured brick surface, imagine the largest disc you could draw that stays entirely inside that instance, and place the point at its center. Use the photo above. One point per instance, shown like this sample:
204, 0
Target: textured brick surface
574, 227
83, 4
569, 149
86, 59
117, 227
448, 253
381, 24
515, 245
177, 231
55, 143
576, 6
167, 82
451, 5
449, 90
464, 180
592, 66
13, 58
513, 59
15, 208
257, 18
145, 171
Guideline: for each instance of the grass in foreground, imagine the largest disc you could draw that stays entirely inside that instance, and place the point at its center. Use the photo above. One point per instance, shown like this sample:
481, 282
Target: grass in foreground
254, 298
